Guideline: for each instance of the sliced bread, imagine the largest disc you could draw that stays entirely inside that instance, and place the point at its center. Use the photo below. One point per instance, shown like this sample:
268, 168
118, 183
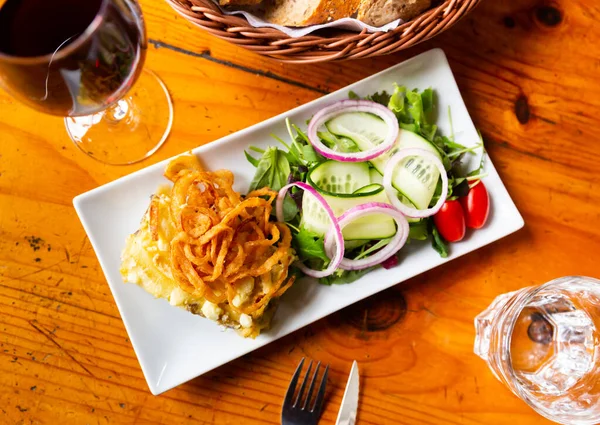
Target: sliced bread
381, 12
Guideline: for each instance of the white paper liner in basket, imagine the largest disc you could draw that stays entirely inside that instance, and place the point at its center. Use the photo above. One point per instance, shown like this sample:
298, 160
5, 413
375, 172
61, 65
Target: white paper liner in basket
349, 24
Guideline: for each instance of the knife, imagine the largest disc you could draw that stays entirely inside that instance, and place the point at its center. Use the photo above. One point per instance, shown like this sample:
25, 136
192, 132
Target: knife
347, 415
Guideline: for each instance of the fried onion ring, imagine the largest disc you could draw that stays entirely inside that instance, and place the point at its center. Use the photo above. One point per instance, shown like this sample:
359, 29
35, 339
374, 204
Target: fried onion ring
223, 238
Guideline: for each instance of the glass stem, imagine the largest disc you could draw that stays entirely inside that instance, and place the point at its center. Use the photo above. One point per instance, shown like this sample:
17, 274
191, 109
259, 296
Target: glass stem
118, 111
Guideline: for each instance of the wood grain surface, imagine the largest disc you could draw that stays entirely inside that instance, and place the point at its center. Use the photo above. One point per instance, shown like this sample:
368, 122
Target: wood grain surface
528, 71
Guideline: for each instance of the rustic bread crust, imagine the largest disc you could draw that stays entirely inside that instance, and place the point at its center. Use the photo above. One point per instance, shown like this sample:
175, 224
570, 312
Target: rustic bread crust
325, 11
240, 2
299, 13
330, 10
381, 12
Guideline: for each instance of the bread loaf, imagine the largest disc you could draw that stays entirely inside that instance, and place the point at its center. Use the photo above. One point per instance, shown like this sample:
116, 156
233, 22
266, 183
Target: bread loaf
381, 12
240, 2
300, 13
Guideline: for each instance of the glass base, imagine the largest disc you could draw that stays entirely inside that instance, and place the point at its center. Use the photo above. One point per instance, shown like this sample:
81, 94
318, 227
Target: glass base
130, 130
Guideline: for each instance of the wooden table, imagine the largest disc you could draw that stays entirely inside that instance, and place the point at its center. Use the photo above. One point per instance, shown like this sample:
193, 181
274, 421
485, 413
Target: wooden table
528, 71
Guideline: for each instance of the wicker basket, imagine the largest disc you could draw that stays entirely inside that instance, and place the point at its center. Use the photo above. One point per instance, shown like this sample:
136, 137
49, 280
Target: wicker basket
323, 45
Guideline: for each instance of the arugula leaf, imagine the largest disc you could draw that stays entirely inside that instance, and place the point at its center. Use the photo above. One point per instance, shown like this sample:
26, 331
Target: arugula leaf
251, 159
293, 154
451, 123
272, 170
353, 96
338, 143
429, 131
298, 142
438, 243
310, 246
482, 161
454, 153
382, 98
300, 134
380, 244
329, 139
257, 149
427, 100
445, 142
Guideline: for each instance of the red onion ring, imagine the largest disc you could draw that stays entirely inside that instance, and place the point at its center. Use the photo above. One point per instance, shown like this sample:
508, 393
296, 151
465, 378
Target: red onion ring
337, 231
380, 256
343, 106
392, 192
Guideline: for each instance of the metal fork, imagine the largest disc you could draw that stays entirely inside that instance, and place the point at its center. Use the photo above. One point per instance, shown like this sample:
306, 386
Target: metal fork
294, 414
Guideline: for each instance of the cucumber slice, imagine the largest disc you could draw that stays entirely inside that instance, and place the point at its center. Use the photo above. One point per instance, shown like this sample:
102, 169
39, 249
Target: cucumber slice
370, 189
376, 177
367, 130
376, 187
339, 178
374, 226
415, 178
345, 185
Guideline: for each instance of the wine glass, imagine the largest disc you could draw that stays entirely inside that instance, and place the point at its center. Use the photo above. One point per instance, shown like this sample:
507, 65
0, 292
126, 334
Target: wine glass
82, 59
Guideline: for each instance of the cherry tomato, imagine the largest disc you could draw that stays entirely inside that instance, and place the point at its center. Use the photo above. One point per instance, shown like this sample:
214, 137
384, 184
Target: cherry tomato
476, 206
450, 221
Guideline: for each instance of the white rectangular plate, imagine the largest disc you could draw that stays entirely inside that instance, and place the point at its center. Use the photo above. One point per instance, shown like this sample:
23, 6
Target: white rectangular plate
174, 346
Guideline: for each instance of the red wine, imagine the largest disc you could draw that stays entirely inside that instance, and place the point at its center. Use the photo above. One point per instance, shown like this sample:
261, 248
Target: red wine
70, 57
39, 27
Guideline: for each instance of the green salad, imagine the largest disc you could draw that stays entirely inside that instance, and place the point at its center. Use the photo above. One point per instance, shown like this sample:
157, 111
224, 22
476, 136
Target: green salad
367, 176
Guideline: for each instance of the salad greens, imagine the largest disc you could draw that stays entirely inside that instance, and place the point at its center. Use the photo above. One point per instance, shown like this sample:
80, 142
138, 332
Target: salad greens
291, 162
272, 170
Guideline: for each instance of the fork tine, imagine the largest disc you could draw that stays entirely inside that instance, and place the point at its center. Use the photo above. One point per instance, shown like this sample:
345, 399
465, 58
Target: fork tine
303, 386
312, 385
321, 394
292, 387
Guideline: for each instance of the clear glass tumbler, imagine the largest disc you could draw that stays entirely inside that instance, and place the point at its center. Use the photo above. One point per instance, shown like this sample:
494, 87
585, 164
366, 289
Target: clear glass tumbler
543, 343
